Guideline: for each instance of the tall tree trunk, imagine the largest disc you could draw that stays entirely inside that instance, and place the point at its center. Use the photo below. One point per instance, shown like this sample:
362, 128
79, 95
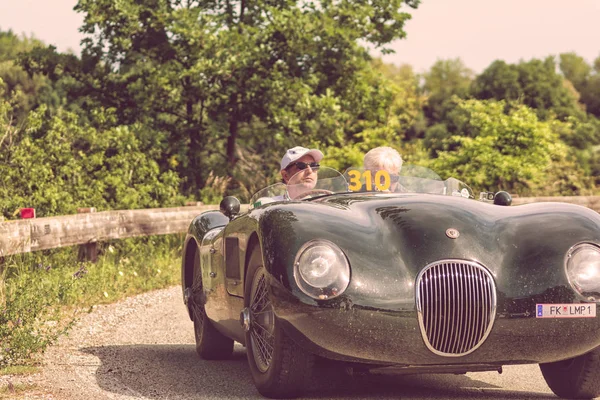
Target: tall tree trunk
194, 170
196, 136
231, 139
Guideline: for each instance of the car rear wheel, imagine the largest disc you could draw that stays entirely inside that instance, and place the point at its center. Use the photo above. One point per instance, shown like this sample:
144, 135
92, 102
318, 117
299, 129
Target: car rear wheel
279, 367
575, 378
210, 343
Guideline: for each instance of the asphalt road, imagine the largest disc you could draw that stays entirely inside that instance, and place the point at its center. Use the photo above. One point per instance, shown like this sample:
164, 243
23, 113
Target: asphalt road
142, 348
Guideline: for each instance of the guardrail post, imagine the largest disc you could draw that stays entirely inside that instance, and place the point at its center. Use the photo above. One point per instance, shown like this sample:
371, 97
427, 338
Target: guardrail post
88, 251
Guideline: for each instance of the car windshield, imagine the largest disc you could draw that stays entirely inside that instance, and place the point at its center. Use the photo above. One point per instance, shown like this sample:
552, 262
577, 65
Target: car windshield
310, 183
410, 179
305, 184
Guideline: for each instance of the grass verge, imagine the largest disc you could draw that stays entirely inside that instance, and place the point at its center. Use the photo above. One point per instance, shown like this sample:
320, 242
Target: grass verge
42, 293
14, 391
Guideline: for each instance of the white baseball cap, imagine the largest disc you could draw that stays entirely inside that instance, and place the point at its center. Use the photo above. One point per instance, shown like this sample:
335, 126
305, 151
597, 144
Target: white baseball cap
295, 153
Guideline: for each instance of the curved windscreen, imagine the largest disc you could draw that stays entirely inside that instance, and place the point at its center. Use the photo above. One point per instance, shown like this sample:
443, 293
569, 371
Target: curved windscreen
309, 183
305, 184
417, 179
410, 179
270, 194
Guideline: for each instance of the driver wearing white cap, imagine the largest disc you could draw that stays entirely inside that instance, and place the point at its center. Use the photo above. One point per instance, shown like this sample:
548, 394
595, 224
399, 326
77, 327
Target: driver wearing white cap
300, 159
299, 168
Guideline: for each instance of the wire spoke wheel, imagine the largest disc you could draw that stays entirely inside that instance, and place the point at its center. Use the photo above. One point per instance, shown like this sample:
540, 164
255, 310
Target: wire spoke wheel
279, 367
199, 317
263, 323
197, 307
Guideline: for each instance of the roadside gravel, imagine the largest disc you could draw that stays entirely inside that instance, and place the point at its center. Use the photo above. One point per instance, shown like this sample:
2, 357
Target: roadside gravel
74, 367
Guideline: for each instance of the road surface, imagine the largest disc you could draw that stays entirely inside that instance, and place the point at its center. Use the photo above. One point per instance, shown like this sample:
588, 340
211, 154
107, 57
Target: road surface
143, 348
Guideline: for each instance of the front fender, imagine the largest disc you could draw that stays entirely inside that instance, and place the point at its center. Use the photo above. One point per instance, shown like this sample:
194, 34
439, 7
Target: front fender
190, 263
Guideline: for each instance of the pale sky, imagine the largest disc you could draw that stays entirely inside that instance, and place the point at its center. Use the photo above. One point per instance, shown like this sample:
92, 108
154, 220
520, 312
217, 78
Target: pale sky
481, 31
477, 31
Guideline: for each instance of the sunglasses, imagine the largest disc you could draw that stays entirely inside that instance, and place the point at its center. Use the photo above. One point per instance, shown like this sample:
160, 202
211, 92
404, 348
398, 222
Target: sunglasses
302, 165
393, 178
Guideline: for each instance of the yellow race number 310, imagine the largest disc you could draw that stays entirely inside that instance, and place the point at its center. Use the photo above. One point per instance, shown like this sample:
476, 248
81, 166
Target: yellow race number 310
358, 179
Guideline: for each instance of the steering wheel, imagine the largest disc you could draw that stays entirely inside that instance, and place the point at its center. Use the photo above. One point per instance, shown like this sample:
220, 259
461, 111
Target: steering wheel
312, 193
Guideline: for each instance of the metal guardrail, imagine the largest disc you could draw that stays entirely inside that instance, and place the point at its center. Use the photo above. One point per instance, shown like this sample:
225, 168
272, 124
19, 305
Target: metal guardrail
23, 236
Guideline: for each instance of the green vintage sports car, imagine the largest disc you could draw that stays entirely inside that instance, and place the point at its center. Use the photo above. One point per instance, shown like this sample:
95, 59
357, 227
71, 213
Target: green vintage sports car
409, 273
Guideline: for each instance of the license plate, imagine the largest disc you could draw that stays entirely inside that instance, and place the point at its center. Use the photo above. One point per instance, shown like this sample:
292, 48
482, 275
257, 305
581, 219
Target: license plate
583, 310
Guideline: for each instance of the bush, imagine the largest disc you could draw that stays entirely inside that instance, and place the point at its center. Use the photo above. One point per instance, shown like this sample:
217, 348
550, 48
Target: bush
500, 146
42, 293
56, 164
30, 318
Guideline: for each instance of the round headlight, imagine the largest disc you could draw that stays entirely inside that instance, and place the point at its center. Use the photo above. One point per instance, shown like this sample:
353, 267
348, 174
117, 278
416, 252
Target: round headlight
583, 270
321, 270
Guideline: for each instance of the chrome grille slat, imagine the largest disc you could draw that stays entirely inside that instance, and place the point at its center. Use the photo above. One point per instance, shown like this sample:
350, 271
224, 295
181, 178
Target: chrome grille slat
435, 313
458, 267
456, 304
445, 289
473, 311
440, 306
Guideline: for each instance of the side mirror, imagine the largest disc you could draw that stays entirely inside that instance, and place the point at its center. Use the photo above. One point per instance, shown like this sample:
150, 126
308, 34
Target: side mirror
502, 199
230, 207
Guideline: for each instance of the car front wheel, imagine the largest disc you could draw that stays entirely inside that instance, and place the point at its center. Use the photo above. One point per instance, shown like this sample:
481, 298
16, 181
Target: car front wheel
574, 378
279, 367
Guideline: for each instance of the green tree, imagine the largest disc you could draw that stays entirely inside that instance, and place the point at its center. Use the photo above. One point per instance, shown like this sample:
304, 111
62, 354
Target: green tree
204, 74
397, 111
590, 93
12, 45
408, 99
509, 148
575, 69
56, 164
25, 92
445, 79
585, 78
534, 83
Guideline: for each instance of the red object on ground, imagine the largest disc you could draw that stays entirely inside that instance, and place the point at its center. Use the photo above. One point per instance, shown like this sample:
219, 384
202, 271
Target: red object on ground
27, 213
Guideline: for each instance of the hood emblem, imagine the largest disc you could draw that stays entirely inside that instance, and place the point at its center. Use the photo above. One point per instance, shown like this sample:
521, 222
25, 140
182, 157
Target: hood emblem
452, 233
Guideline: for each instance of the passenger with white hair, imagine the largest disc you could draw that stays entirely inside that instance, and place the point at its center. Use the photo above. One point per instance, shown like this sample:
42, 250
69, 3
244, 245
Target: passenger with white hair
386, 159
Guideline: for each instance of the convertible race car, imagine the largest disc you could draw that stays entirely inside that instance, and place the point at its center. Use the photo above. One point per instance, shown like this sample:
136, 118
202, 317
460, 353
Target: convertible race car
410, 273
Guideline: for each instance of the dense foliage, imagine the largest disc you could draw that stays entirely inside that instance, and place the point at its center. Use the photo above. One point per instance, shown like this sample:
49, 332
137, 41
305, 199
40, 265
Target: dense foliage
220, 81
53, 163
496, 146
195, 99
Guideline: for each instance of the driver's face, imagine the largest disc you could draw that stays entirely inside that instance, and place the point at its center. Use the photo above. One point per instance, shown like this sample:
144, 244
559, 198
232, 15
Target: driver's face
294, 176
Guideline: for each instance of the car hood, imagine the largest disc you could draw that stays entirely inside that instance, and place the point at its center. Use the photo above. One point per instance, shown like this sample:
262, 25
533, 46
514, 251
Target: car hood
390, 238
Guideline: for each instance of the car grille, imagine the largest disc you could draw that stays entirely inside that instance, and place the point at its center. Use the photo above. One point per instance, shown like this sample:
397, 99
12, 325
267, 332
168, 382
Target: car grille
456, 304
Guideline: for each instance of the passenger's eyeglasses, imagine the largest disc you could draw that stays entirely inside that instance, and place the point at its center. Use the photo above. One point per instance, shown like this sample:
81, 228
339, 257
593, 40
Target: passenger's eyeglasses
302, 165
393, 178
